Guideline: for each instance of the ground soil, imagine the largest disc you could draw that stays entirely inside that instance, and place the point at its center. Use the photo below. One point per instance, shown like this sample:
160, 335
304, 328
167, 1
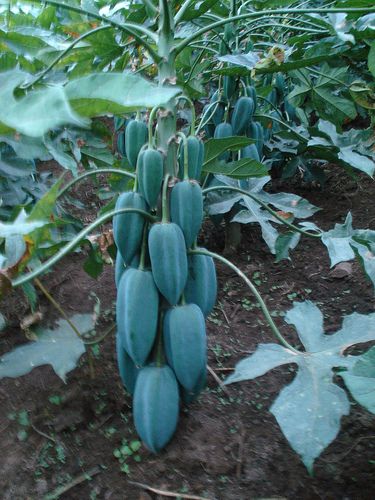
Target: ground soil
227, 445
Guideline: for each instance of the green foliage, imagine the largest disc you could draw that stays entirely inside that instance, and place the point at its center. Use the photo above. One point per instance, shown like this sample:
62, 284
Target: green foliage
59, 347
309, 409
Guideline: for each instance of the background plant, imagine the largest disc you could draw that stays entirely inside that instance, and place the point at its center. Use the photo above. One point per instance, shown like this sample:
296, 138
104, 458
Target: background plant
77, 94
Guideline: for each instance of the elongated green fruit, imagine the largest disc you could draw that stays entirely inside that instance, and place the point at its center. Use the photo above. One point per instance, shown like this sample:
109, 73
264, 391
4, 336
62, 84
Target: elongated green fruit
250, 151
242, 114
187, 209
221, 131
128, 227
121, 143
166, 244
135, 137
127, 369
201, 285
184, 334
155, 406
137, 313
255, 131
280, 84
150, 175
195, 158
119, 268
251, 92
218, 115
189, 396
229, 86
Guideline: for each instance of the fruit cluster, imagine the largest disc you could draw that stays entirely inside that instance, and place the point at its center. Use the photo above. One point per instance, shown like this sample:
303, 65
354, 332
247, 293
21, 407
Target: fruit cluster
163, 292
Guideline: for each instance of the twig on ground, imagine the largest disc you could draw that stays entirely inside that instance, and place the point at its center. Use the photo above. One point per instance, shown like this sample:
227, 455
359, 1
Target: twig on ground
164, 493
217, 379
54, 495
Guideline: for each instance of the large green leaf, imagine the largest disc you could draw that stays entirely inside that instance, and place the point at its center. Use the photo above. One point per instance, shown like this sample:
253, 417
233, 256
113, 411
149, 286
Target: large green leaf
241, 169
252, 212
213, 148
36, 112
61, 348
360, 380
309, 409
22, 225
103, 93
344, 243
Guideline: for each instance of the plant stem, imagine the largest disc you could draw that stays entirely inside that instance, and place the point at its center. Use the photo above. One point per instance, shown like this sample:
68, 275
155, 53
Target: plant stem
127, 27
266, 13
191, 104
186, 155
264, 205
94, 172
57, 306
254, 291
63, 54
151, 119
74, 242
164, 202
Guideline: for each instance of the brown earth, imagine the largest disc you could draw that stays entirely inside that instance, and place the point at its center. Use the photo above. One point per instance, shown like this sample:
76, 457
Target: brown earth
227, 445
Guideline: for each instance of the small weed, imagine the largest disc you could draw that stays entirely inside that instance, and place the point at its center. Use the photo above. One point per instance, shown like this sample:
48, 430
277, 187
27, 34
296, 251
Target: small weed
127, 451
55, 400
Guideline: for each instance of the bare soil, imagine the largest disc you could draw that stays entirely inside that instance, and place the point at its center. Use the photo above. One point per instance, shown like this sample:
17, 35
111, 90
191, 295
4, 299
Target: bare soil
227, 445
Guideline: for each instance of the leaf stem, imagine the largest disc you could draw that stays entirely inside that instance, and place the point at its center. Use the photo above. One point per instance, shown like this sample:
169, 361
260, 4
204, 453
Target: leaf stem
254, 291
191, 104
94, 172
266, 13
127, 27
63, 54
74, 242
164, 202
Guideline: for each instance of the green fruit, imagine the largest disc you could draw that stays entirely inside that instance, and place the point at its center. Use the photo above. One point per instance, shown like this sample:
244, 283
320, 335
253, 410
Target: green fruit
242, 114
229, 86
201, 285
255, 131
137, 324
118, 122
150, 175
189, 396
195, 158
251, 92
186, 209
128, 227
218, 115
166, 244
185, 342
272, 97
250, 152
121, 143
127, 369
280, 85
119, 268
135, 137
221, 131
155, 406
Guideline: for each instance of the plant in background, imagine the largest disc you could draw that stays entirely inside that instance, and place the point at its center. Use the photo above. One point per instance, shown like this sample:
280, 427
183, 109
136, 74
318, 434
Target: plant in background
161, 348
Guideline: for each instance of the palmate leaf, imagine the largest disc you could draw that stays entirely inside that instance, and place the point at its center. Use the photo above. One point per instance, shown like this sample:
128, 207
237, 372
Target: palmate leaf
345, 243
41, 110
310, 408
251, 211
22, 225
60, 347
353, 148
360, 380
